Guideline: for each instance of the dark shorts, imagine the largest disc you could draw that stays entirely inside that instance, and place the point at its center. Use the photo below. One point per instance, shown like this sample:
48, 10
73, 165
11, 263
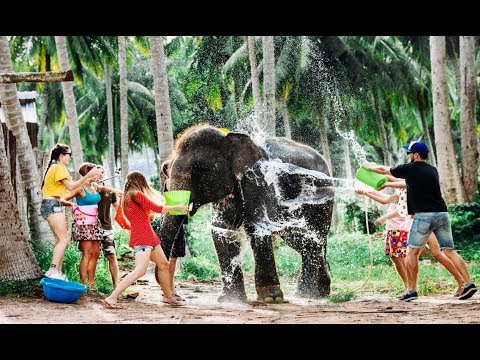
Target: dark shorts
50, 206
179, 244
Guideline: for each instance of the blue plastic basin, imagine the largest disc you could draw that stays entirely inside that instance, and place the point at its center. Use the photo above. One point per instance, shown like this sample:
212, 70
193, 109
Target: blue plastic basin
62, 291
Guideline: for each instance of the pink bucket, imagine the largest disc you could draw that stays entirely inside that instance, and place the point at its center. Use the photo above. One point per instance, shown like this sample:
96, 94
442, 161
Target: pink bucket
86, 214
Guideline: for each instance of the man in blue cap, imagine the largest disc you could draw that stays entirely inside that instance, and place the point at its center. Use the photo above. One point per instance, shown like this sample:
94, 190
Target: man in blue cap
425, 201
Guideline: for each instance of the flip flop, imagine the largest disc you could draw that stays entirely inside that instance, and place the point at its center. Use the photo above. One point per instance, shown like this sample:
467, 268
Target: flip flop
112, 306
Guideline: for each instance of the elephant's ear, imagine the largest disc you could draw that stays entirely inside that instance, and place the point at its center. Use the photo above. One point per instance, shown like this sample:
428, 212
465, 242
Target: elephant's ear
243, 151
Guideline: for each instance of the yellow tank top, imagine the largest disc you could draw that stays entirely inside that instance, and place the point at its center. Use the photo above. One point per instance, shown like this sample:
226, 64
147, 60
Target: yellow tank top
52, 185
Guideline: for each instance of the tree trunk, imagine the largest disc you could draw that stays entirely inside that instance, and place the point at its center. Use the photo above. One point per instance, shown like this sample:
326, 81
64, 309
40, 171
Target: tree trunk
44, 111
381, 127
70, 106
327, 157
269, 84
162, 100
122, 65
17, 261
468, 89
43, 116
447, 168
110, 129
428, 139
257, 102
51, 138
286, 121
324, 142
39, 230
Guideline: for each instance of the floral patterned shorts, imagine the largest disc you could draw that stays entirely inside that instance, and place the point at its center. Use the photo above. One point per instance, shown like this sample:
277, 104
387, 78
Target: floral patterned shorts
86, 232
396, 243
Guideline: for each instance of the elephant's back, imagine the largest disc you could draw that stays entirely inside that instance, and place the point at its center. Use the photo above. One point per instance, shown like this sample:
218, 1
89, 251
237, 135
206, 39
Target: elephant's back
295, 153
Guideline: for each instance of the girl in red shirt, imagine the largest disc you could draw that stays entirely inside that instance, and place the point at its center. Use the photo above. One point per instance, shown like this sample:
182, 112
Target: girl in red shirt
139, 202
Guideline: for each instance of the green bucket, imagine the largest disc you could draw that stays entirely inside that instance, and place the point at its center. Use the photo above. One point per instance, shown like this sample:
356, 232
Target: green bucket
370, 178
177, 197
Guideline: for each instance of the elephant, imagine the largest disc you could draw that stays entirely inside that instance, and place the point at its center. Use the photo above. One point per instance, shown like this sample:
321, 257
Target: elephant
279, 187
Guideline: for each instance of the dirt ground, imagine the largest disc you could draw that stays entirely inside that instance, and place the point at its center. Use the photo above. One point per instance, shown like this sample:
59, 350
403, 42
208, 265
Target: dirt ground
201, 307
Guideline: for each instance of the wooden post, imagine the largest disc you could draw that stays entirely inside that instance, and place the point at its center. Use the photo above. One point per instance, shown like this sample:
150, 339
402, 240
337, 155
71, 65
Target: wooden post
49, 76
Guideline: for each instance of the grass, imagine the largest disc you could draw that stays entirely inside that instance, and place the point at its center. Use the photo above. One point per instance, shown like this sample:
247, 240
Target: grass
352, 271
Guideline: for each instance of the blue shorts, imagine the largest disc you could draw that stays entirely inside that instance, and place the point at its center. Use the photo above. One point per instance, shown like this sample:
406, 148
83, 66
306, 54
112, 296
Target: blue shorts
428, 222
140, 248
50, 206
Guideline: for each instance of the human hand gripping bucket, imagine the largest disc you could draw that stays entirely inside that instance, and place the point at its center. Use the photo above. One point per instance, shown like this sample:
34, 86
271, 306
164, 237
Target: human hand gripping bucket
177, 197
370, 178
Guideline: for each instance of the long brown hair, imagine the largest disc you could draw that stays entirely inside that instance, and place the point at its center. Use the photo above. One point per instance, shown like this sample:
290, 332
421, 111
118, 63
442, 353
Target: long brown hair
136, 182
55, 153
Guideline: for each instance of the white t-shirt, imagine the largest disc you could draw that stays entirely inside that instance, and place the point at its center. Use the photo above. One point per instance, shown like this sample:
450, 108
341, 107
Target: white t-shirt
402, 202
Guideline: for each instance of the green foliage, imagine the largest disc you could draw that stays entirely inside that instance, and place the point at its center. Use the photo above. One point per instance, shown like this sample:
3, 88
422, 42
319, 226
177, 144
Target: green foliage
342, 296
289, 262
201, 267
466, 225
29, 288
155, 182
355, 215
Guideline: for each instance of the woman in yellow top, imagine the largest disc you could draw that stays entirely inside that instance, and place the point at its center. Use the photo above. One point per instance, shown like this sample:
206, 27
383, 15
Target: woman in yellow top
56, 182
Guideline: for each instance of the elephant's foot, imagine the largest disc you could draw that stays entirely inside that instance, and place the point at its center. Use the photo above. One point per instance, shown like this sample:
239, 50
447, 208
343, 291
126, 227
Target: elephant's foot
313, 291
270, 294
232, 297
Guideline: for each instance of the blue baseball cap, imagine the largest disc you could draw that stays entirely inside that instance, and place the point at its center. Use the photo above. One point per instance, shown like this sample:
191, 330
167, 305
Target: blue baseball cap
416, 147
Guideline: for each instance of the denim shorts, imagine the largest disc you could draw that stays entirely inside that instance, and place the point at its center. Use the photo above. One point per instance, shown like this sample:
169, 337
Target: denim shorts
50, 206
139, 248
428, 222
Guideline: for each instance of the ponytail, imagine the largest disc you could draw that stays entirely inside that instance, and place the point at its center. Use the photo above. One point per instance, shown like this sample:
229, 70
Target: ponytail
55, 153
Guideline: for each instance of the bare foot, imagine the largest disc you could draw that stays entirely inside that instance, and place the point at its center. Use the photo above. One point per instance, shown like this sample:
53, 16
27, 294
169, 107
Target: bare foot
112, 305
171, 301
178, 297
459, 291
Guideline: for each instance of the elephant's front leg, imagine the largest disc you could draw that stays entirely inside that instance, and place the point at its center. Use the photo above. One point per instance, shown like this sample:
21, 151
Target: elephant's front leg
228, 251
314, 278
266, 278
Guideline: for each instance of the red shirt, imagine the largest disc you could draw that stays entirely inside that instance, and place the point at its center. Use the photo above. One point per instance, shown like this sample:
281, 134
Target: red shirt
137, 212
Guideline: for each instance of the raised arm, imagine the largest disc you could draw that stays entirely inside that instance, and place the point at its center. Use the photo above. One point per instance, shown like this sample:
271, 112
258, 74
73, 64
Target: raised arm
72, 185
100, 187
378, 196
379, 169
150, 205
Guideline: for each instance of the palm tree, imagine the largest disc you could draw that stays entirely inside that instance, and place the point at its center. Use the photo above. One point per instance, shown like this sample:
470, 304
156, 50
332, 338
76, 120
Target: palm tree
39, 230
17, 261
452, 188
468, 121
252, 56
70, 105
122, 65
269, 84
110, 129
162, 99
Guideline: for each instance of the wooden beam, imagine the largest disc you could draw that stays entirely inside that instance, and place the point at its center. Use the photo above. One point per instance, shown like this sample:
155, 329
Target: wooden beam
49, 76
